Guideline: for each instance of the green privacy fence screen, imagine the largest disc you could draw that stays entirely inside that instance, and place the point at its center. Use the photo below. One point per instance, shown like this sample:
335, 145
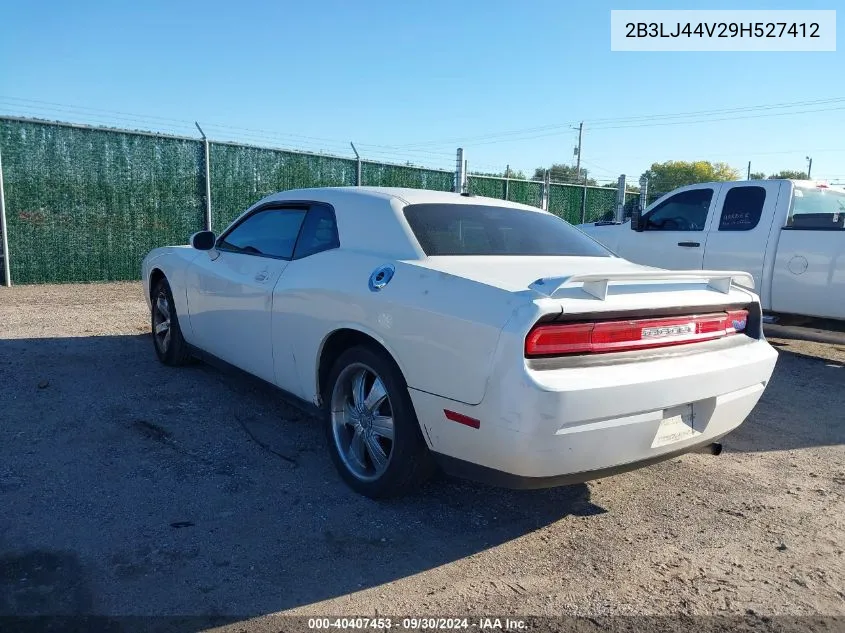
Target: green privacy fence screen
381, 175
565, 201
86, 204
242, 175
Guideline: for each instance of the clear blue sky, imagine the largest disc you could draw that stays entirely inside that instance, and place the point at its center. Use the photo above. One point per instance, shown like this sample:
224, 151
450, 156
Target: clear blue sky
391, 75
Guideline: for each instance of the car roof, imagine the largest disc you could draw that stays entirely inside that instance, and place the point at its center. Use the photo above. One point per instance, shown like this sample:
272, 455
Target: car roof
405, 195
371, 219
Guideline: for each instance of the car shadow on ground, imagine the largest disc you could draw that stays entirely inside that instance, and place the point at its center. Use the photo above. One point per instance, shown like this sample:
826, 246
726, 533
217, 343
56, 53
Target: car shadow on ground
801, 407
135, 488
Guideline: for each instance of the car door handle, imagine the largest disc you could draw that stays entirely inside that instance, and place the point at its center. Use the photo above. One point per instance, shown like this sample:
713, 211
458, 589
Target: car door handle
690, 244
262, 276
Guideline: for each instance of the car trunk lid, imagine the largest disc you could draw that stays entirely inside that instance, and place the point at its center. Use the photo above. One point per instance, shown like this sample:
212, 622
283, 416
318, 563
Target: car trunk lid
573, 285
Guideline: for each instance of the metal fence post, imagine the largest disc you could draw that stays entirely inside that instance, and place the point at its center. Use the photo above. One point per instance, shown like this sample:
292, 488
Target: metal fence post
207, 162
544, 191
643, 202
7, 275
620, 199
460, 174
584, 201
357, 165
507, 182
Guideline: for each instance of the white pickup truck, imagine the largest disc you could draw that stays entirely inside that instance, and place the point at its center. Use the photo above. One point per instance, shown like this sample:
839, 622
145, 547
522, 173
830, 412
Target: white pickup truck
788, 234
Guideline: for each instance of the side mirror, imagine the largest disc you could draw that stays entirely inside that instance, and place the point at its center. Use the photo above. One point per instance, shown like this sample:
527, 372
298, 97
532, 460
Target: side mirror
637, 219
203, 240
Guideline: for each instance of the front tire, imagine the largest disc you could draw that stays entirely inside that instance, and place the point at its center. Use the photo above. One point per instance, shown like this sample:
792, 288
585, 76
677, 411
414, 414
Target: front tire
169, 344
372, 430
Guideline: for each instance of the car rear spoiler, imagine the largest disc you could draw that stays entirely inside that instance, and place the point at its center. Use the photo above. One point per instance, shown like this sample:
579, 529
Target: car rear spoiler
596, 284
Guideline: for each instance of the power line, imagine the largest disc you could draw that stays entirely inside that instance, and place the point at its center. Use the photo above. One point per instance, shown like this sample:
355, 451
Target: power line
598, 167
658, 124
711, 120
231, 133
560, 128
736, 154
51, 106
724, 110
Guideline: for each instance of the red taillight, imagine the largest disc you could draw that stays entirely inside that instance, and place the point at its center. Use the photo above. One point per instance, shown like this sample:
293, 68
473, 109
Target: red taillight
619, 336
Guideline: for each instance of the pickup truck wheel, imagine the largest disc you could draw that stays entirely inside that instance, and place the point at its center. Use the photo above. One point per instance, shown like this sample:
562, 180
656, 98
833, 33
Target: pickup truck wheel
373, 434
170, 347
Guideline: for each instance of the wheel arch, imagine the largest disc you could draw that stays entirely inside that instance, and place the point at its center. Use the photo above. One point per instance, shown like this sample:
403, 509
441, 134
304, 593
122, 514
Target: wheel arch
156, 275
337, 342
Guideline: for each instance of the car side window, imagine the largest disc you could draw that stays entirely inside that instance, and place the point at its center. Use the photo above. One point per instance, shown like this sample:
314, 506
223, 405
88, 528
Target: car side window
685, 211
319, 232
742, 208
270, 232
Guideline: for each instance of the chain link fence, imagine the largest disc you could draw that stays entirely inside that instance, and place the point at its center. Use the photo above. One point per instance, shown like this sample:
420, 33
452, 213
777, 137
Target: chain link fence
86, 204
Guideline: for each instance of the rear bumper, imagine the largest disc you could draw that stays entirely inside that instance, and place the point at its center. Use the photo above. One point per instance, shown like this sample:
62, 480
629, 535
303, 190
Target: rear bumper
491, 476
555, 426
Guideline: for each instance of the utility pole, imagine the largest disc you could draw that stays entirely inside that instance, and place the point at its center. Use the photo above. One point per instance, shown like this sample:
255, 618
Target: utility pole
578, 159
809, 166
748, 177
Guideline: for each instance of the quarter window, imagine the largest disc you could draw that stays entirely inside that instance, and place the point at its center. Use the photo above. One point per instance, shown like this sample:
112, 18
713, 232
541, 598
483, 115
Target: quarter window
685, 211
319, 232
742, 208
271, 232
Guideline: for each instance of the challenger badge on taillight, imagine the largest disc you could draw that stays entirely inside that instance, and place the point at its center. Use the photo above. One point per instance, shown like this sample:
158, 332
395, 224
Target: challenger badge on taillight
626, 335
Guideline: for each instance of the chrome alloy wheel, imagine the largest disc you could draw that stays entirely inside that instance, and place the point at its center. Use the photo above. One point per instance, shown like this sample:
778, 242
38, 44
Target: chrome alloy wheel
362, 422
161, 322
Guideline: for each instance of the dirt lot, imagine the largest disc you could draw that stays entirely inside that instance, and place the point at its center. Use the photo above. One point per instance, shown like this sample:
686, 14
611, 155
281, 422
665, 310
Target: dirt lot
127, 487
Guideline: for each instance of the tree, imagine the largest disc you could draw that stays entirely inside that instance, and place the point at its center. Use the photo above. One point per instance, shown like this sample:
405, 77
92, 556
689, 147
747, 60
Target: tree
663, 177
790, 175
757, 175
564, 173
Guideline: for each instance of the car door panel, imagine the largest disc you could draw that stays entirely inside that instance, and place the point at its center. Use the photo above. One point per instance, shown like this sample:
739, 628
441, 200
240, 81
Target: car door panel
741, 228
230, 302
230, 296
673, 239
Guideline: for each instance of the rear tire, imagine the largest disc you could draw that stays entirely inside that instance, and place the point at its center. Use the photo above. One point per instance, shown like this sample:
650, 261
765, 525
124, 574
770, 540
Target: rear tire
372, 430
169, 344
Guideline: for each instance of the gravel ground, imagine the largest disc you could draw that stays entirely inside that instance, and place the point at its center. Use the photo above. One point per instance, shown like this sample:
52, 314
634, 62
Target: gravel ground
128, 487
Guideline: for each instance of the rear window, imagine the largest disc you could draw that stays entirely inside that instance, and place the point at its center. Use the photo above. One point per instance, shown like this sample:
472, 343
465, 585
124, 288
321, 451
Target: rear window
817, 209
462, 229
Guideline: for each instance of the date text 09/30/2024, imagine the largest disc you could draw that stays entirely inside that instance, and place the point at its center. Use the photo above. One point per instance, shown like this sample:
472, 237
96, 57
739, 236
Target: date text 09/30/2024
418, 624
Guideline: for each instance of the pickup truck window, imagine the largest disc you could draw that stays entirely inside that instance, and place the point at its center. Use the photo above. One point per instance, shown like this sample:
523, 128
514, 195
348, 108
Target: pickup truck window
685, 211
742, 208
817, 209
469, 229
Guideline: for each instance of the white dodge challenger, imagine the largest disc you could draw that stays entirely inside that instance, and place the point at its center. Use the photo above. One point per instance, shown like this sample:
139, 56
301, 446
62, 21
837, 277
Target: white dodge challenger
490, 338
